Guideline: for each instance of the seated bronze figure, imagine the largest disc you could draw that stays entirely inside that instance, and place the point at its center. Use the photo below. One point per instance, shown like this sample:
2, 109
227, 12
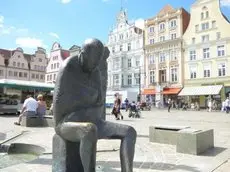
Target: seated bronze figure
79, 113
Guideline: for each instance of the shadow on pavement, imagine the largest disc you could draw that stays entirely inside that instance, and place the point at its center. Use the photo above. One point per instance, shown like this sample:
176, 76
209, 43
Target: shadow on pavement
213, 151
108, 166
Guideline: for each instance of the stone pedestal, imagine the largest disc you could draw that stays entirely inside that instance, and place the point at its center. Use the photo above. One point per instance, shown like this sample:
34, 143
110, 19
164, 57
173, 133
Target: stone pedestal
190, 141
35, 121
164, 134
66, 157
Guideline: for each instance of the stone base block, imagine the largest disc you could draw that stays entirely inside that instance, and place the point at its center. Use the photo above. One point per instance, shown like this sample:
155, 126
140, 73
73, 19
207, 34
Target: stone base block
34, 121
164, 134
190, 141
62, 162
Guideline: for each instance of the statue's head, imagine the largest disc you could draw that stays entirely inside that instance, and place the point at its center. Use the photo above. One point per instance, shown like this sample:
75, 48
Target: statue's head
91, 54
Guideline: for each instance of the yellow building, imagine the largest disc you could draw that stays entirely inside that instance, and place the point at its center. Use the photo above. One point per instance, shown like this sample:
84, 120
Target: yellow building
164, 52
207, 53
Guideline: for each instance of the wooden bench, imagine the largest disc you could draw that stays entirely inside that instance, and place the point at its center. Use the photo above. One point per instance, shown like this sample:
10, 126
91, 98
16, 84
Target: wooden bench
35, 121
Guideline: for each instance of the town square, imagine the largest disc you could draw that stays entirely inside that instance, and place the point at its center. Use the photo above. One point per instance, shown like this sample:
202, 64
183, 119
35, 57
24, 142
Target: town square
112, 85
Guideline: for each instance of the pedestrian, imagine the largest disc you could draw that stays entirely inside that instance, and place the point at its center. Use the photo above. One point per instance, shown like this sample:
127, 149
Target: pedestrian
210, 105
29, 108
126, 104
227, 105
41, 110
169, 104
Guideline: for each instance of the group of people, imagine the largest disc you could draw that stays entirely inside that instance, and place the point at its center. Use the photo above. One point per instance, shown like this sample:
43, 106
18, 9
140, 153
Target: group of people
32, 107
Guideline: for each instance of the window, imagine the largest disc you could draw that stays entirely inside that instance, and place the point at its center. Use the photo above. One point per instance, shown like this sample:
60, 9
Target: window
33, 75
137, 61
213, 24
206, 53
151, 41
54, 76
162, 57
41, 77
162, 75
25, 75
14, 63
137, 78
151, 29
193, 40
113, 50
220, 50
197, 28
121, 47
192, 55
204, 26
162, 27
48, 77
40, 60
37, 76
15, 73
173, 36
202, 15
172, 23
152, 77
116, 63
129, 63
20, 74
218, 36
129, 79
52, 66
173, 55
1, 72
162, 38
205, 38
207, 71
207, 14
222, 69
121, 36
151, 59
129, 46
193, 72
22, 65
18, 64
57, 66
174, 75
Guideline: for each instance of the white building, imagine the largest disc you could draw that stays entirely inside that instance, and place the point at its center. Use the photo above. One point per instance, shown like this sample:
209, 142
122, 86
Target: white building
164, 52
207, 52
125, 63
57, 55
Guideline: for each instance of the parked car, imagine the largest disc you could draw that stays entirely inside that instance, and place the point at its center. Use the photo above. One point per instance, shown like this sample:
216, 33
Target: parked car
9, 106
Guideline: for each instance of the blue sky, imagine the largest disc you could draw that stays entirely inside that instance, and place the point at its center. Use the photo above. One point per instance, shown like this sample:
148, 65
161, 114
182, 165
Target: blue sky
32, 23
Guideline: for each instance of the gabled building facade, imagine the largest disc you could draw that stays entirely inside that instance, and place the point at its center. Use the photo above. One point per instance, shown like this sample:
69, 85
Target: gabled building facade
126, 60
57, 55
207, 53
164, 52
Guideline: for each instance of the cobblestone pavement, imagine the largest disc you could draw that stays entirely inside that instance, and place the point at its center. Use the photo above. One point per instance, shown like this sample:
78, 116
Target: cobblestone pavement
149, 157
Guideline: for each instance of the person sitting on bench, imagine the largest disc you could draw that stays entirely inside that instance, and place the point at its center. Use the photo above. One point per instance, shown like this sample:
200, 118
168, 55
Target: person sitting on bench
29, 109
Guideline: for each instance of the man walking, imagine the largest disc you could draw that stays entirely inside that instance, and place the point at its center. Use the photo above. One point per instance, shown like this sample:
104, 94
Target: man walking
29, 109
169, 104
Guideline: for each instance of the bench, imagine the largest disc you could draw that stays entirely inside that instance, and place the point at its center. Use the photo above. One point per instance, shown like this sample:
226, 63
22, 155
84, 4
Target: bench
195, 142
35, 121
164, 134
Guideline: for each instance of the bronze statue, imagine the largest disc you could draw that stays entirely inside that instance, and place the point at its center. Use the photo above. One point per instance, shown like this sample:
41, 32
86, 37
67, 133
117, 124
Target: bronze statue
79, 110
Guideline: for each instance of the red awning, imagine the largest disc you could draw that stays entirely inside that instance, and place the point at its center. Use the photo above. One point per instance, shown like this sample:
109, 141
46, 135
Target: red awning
149, 92
168, 91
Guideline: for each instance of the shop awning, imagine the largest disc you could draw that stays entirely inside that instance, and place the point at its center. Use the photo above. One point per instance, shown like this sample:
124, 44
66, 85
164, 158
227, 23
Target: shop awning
201, 90
149, 92
31, 85
168, 91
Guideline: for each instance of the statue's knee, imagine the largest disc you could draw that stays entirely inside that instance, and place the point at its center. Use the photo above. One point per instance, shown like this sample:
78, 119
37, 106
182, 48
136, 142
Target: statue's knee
132, 133
92, 130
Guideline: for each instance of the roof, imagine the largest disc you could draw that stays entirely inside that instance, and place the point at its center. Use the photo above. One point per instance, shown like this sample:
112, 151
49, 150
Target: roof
166, 9
6, 53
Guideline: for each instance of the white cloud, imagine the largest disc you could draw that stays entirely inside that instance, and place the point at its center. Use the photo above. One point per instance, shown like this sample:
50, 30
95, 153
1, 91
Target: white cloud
65, 1
28, 42
54, 35
225, 3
